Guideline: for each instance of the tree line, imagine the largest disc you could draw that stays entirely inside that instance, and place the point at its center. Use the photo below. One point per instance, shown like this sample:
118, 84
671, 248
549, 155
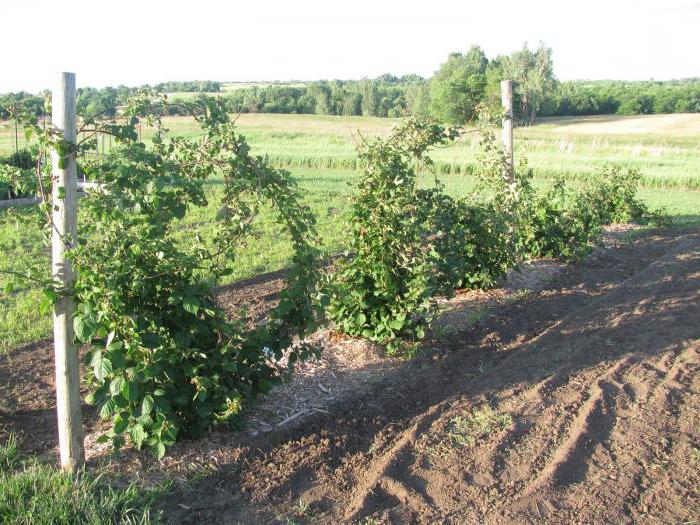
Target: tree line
460, 85
104, 101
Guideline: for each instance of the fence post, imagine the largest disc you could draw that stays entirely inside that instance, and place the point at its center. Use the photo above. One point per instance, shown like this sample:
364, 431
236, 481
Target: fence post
64, 236
507, 101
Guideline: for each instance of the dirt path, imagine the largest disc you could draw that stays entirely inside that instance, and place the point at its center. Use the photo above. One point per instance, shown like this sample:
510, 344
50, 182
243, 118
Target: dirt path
576, 405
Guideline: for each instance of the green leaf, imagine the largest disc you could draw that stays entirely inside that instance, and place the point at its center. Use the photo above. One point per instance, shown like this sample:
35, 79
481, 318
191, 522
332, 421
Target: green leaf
102, 368
107, 409
360, 319
84, 328
191, 304
147, 405
138, 435
131, 389
397, 324
158, 450
117, 385
120, 424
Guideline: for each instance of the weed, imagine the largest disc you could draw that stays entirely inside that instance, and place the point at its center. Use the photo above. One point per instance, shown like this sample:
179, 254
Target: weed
479, 423
302, 507
10, 452
695, 454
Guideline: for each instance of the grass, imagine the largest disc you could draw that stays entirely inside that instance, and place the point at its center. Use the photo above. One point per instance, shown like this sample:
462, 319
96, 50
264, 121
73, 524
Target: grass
33, 493
465, 431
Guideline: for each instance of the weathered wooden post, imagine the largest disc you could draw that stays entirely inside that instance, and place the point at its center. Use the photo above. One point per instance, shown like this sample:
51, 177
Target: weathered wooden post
64, 236
507, 101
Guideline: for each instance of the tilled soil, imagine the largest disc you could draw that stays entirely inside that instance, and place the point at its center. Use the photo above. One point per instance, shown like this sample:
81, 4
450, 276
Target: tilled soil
576, 405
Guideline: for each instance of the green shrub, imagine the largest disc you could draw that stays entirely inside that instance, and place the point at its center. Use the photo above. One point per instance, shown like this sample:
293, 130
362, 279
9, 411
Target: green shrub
384, 290
470, 241
555, 224
611, 197
17, 175
165, 361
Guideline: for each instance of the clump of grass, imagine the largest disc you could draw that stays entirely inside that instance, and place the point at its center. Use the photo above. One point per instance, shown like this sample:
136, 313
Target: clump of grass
479, 423
37, 494
9, 452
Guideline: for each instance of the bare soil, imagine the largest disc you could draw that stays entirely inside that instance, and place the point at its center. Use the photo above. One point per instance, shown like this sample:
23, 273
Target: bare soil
577, 402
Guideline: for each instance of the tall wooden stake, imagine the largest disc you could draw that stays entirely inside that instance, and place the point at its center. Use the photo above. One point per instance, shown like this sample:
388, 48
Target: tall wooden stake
64, 200
507, 101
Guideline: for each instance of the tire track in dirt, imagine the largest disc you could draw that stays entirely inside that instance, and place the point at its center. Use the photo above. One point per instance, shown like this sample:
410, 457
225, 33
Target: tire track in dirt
377, 469
599, 402
597, 418
660, 446
586, 421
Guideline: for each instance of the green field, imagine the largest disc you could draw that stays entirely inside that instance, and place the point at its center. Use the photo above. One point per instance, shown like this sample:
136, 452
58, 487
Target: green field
319, 151
664, 147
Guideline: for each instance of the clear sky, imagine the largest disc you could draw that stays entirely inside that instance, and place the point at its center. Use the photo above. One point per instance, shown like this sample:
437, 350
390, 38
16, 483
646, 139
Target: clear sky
132, 42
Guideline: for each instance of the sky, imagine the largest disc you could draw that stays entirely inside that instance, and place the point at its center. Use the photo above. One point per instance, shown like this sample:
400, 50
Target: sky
134, 42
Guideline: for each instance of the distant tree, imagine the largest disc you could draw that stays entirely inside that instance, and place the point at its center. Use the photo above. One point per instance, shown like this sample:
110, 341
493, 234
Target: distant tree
321, 92
370, 97
418, 98
387, 78
533, 74
458, 86
352, 104
411, 78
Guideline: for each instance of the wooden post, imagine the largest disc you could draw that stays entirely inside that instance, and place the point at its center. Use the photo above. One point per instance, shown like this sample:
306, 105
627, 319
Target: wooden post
507, 101
64, 200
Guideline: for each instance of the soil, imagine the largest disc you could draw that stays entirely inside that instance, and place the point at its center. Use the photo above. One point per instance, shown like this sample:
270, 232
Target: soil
574, 402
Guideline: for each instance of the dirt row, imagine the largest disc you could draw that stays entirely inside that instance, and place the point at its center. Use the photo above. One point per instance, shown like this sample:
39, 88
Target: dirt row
577, 405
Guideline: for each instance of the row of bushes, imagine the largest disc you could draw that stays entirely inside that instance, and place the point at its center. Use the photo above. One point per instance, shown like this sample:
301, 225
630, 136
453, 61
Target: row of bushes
17, 176
411, 245
165, 361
